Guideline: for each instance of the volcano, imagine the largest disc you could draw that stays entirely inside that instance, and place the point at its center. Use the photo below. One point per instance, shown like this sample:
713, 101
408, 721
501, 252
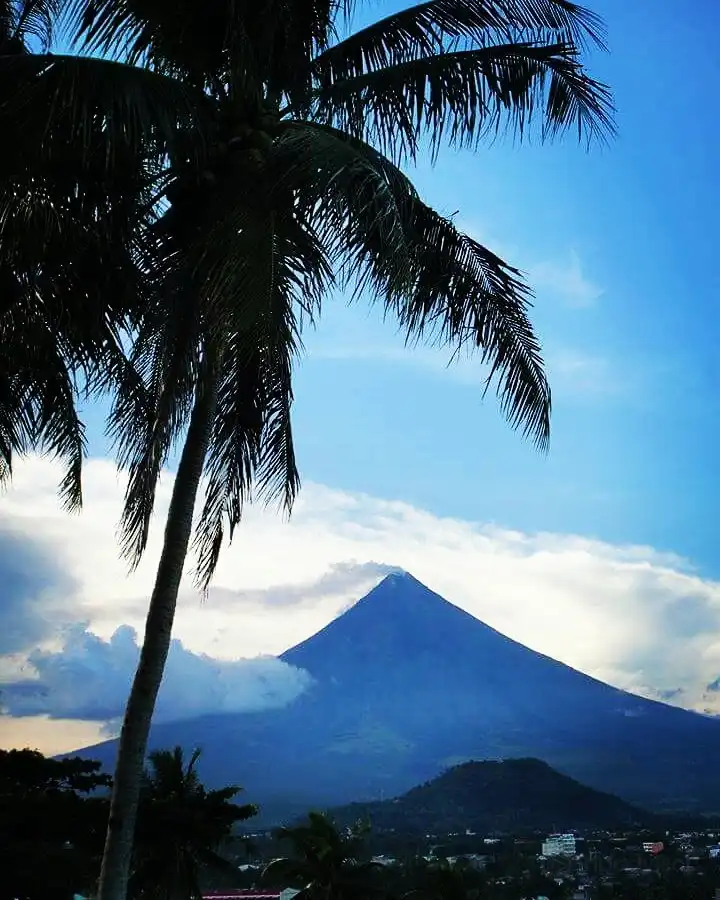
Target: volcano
405, 685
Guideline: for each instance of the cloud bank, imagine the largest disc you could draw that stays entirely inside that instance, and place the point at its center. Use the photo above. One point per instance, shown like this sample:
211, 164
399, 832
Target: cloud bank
89, 678
635, 617
52, 664
33, 588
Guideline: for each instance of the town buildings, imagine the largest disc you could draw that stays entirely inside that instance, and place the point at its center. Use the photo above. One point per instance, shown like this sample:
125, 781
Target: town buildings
559, 845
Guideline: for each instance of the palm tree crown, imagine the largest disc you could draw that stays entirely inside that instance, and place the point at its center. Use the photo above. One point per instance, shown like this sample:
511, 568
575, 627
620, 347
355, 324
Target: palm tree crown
287, 188
327, 863
181, 827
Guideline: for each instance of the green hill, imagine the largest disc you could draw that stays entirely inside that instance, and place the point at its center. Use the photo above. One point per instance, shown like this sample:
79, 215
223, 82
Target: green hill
513, 796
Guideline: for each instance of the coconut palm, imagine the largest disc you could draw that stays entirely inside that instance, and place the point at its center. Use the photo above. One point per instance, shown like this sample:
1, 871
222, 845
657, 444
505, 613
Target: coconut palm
181, 828
326, 862
284, 185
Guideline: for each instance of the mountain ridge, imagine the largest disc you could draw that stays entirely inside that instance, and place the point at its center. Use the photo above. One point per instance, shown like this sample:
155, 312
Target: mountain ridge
405, 684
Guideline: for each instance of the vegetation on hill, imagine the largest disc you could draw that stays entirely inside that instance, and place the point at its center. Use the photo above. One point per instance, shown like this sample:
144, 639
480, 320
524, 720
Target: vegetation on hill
510, 796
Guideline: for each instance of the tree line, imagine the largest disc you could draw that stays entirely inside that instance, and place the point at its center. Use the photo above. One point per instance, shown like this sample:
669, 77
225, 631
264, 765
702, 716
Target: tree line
184, 184
53, 816
189, 842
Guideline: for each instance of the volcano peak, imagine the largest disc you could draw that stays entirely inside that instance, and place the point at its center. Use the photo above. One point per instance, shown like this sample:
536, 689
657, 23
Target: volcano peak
399, 583
399, 620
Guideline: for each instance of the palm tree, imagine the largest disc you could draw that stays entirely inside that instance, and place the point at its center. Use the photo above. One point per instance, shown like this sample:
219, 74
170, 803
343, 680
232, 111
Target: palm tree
263, 170
181, 827
326, 863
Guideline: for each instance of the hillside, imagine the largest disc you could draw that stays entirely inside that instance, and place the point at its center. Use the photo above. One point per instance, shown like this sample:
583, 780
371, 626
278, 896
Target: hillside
513, 796
405, 685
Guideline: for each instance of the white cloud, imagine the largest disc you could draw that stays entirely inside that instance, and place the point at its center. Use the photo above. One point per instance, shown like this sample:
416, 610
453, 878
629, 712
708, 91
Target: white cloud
571, 372
89, 678
561, 276
630, 615
585, 373
566, 280
574, 372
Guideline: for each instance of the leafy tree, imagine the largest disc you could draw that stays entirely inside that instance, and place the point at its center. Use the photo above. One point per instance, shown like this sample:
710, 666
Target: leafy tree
181, 828
51, 830
326, 863
27, 774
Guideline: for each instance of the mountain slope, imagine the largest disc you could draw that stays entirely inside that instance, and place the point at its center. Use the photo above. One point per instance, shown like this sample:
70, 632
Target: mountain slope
406, 684
508, 796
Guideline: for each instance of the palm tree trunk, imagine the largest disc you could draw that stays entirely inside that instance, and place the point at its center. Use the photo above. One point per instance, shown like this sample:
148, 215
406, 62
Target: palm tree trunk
117, 856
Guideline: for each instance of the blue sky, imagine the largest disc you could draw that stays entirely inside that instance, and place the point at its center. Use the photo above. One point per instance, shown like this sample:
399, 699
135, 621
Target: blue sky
620, 243
633, 455
634, 370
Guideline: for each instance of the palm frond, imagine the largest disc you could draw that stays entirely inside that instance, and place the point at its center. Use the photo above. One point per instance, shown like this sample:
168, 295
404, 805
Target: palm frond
38, 402
199, 276
466, 297
345, 191
8, 21
170, 776
465, 95
28, 25
184, 39
262, 49
181, 826
65, 287
268, 271
151, 410
442, 286
84, 142
64, 103
440, 25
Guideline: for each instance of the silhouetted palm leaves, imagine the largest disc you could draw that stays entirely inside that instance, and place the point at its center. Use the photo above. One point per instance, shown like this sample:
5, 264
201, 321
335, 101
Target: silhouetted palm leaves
181, 827
326, 863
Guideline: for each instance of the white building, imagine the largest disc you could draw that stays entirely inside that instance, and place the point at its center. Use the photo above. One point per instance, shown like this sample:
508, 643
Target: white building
381, 860
559, 845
